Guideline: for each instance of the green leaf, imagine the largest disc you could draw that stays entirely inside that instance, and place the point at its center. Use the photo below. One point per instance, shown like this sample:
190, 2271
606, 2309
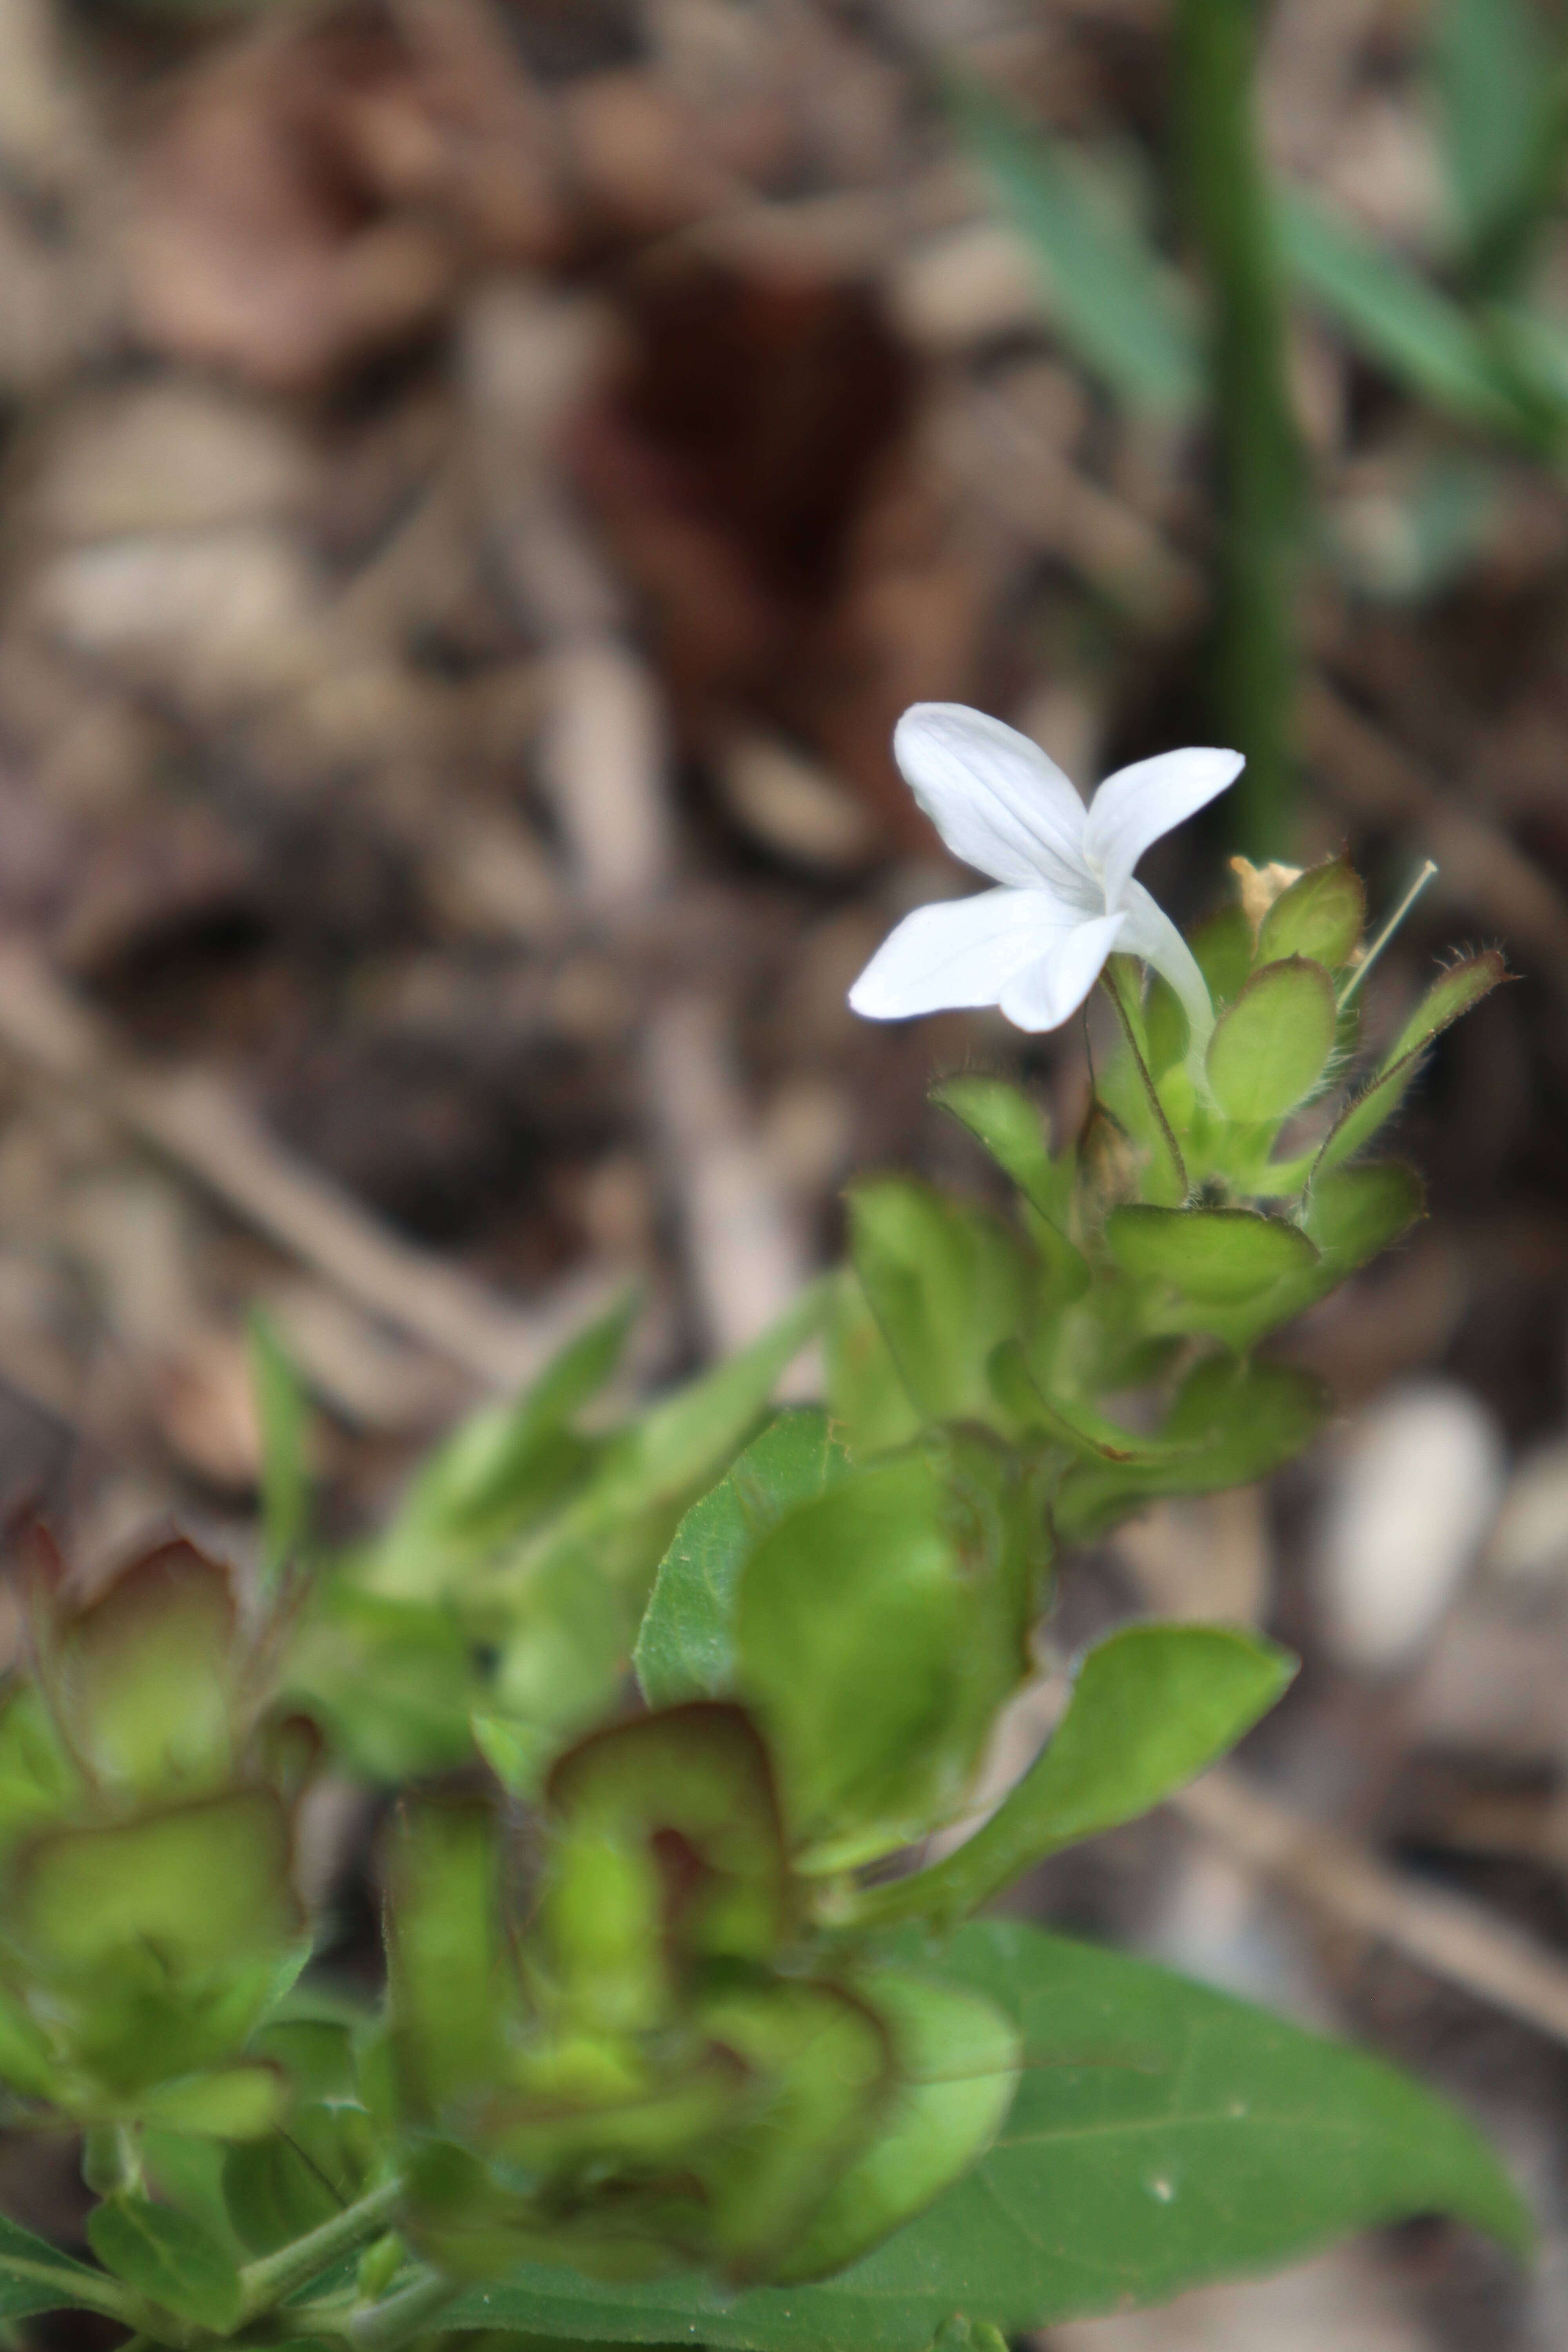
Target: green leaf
532, 1622
1452, 997
1071, 1421
868, 1401
24, 2292
947, 1283
1163, 2135
1224, 947
684, 1440
504, 1468
1243, 1419
169, 2258
1422, 340
1222, 1254
878, 1630
1013, 1129
279, 2189
1352, 1213
393, 1682
1458, 990
1165, 1026
1152, 1707
686, 1647
1320, 916
1104, 285
1214, 1270
1271, 1049
26, 2060
1493, 71
284, 1413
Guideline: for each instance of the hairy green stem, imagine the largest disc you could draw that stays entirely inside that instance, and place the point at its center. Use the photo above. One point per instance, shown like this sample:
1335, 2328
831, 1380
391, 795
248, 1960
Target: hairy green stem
80, 2290
268, 2280
1262, 474
411, 2311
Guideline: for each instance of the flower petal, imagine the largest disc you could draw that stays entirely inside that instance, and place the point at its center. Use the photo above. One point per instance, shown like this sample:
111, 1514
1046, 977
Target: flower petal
1049, 991
962, 952
1135, 806
996, 799
1151, 934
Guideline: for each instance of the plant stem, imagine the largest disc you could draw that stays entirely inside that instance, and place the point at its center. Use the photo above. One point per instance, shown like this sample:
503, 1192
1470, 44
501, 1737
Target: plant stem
1261, 474
268, 2280
80, 2290
409, 2313
1348, 994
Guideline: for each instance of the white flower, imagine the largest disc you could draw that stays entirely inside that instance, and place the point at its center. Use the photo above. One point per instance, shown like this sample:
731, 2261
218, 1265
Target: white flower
1037, 945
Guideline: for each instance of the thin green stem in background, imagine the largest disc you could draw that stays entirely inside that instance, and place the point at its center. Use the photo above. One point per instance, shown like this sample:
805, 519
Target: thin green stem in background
1261, 467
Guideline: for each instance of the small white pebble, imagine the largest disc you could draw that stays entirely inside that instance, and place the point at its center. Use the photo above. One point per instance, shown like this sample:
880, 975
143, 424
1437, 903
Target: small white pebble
1529, 1544
1411, 1498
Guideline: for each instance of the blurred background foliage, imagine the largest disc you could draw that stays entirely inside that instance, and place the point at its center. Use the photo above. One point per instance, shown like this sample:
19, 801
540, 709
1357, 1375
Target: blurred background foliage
481, 480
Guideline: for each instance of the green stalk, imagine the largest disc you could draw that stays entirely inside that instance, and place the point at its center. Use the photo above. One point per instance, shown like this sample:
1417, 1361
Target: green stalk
1262, 476
80, 2290
268, 2280
411, 2311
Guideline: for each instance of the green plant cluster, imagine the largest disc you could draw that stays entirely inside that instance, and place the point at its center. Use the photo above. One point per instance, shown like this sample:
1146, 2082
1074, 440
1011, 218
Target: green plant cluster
688, 2033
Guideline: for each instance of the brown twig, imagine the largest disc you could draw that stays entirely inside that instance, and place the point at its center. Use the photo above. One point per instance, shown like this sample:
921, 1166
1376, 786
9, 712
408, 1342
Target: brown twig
191, 1118
1445, 1933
